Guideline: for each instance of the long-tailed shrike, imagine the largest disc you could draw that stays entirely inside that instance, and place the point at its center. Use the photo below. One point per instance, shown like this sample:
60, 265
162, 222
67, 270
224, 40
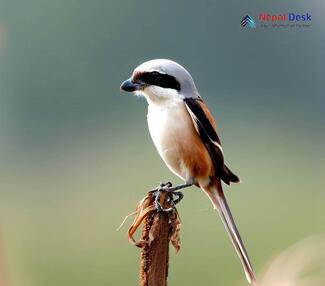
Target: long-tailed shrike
184, 133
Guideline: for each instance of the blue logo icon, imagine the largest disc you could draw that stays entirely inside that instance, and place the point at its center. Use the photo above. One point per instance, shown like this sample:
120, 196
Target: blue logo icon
248, 21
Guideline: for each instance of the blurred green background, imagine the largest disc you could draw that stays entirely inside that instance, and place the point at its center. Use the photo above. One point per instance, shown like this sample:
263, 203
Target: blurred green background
76, 155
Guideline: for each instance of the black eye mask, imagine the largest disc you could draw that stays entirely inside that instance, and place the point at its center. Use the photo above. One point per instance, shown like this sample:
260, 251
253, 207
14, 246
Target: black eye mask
159, 79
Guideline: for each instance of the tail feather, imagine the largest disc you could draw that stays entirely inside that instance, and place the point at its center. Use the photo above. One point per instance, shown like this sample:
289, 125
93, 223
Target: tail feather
218, 199
228, 176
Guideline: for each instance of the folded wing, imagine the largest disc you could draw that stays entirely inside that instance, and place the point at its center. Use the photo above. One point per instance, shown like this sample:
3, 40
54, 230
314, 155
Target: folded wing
206, 128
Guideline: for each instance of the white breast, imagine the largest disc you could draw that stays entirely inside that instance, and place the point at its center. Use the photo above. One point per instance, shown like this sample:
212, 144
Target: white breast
167, 125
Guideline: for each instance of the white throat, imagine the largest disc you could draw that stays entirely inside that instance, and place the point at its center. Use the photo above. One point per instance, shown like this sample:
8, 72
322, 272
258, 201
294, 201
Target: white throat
161, 96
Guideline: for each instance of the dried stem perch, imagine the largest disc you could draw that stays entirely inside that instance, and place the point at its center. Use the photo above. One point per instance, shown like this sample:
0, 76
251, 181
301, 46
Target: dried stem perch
159, 228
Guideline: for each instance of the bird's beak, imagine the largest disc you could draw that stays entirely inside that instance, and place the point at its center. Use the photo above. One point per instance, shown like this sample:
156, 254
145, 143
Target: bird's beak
129, 86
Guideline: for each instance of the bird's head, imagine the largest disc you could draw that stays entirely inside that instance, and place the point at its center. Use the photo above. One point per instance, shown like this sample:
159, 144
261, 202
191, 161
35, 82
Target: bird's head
160, 80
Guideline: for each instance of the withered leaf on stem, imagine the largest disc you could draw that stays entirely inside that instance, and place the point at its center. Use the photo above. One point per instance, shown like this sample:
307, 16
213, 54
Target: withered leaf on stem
145, 207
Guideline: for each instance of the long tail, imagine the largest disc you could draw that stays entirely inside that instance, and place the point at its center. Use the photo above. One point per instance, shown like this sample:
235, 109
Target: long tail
218, 199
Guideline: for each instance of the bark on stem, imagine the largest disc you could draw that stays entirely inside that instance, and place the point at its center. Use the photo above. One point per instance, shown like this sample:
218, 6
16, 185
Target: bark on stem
158, 230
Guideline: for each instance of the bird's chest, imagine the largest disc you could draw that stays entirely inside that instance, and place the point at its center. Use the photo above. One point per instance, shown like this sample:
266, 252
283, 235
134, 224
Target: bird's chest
177, 141
168, 126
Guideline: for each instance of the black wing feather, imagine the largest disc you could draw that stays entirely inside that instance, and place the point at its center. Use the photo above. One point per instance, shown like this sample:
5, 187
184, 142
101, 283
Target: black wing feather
210, 139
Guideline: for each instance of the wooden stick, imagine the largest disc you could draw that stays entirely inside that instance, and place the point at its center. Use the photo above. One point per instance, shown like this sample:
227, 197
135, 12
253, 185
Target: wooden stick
158, 230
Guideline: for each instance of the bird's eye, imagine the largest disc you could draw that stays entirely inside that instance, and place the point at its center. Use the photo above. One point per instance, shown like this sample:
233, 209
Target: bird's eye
155, 77
160, 79
154, 73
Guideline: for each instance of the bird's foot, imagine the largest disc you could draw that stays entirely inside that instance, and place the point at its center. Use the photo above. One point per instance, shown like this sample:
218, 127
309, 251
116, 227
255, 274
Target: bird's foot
165, 185
174, 196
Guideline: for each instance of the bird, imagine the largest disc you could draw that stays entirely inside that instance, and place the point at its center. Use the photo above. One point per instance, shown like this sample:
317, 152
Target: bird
184, 133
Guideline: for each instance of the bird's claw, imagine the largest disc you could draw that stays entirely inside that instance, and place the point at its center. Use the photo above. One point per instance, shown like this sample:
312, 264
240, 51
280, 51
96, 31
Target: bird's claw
165, 185
171, 194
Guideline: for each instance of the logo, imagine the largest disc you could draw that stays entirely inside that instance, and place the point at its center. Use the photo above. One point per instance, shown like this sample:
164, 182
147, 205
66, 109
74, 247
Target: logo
248, 21
265, 17
278, 20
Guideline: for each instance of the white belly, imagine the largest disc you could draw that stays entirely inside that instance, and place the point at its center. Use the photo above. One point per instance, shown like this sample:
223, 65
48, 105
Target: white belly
167, 125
